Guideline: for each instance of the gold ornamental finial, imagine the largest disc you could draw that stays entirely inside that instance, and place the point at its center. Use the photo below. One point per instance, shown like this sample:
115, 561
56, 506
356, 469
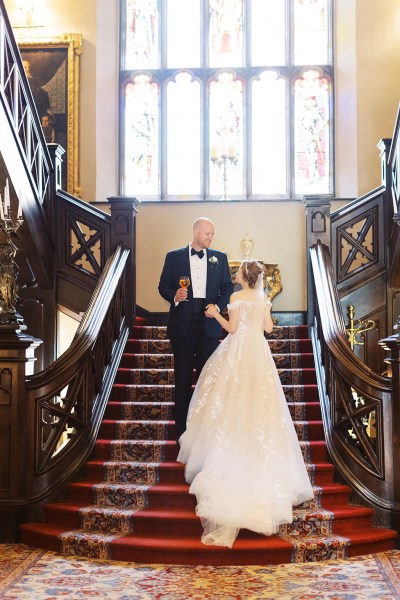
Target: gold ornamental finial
246, 246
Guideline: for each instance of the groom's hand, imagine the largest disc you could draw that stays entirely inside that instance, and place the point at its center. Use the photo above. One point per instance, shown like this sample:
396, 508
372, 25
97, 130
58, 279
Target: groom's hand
181, 294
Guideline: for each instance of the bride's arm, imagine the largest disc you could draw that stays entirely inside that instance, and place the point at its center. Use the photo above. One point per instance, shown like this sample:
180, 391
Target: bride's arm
229, 326
268, 322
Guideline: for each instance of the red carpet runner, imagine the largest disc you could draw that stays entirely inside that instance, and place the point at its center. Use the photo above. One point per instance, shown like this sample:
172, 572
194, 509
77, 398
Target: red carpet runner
133, 503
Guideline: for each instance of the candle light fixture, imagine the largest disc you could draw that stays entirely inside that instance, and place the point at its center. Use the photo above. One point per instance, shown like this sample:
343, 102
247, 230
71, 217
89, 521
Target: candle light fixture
222, 159
8, 266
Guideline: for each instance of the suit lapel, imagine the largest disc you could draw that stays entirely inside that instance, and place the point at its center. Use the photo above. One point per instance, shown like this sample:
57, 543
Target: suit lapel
186, 268
210, 274
186, 261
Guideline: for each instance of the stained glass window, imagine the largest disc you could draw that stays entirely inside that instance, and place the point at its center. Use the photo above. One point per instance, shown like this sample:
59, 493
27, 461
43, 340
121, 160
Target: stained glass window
226, 99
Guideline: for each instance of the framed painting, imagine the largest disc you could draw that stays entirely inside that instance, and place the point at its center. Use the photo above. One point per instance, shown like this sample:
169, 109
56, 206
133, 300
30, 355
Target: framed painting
52, 67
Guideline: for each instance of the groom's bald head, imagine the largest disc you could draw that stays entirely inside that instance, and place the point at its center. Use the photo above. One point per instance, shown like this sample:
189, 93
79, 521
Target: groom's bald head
203, 233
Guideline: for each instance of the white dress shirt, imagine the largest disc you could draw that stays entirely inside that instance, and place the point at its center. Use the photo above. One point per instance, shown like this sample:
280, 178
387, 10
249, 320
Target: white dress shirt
198, 274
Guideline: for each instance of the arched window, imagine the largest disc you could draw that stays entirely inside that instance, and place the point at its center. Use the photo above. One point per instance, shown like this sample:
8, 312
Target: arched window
226, 99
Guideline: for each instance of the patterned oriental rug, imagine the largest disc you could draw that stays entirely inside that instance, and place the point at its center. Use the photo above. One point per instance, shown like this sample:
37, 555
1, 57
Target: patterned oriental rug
30, 574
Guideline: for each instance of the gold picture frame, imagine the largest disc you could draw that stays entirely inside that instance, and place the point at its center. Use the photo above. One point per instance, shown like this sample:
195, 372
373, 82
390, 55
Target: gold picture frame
52, 66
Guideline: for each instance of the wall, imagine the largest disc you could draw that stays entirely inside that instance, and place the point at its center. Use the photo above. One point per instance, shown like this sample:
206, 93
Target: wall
98, 96
366, 33
164, 227
378, 82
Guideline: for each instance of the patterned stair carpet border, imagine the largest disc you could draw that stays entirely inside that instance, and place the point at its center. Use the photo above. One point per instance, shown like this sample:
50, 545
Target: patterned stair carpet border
27, 573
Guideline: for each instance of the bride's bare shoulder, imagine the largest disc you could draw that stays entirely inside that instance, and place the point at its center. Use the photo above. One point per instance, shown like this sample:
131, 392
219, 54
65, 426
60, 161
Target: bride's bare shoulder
235, 296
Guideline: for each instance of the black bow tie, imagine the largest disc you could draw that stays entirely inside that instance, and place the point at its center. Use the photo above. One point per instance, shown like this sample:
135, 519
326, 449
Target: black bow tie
200, 253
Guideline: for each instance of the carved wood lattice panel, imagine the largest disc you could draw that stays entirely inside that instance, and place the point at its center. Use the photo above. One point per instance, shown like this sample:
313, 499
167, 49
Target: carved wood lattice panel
13, 88
357, 421
85, 247
357, 243
62, 418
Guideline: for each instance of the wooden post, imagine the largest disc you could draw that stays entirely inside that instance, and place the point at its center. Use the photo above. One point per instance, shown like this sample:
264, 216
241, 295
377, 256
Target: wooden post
318, 227
392, 344
123, 231
16, 427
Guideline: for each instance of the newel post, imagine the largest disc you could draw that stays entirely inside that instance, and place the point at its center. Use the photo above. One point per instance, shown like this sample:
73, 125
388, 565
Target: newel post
318, 227
16, 427
392, 345
123, 231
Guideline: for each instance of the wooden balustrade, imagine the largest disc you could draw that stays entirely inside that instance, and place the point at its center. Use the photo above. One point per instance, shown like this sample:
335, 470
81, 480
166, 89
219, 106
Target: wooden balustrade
50, 422
358, 405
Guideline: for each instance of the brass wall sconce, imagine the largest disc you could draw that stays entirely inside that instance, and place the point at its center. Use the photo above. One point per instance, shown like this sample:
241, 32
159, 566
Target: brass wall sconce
357, 328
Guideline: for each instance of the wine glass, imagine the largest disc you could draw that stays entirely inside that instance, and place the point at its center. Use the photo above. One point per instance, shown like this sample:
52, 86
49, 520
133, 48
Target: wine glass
184, 281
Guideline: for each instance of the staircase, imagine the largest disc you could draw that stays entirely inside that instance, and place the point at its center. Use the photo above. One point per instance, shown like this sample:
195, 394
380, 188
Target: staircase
133, 504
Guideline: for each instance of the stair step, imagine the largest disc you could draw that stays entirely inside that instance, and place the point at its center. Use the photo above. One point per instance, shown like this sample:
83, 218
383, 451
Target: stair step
132, 471
166, 376
175, 495
144, 410
165, 393
126, 465
248, 549
305, 411
132, 360
139, 449
159, 332
139, 410
163, 346
181, 522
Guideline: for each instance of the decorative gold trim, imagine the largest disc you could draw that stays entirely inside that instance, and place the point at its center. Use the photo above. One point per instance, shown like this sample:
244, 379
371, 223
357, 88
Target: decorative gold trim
272, 277
357, 328
72, 42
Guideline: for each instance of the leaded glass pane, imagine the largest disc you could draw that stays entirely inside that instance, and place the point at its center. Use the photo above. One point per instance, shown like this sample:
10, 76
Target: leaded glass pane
268, 135
226, 33
183, 136
183, 33
226, 99
312, 141
311, 39
226, 136
141, 137
268, 32
142, 25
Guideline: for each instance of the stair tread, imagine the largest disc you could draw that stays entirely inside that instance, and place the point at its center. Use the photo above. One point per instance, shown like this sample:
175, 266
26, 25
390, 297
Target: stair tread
355, 536
163, 488
186, 514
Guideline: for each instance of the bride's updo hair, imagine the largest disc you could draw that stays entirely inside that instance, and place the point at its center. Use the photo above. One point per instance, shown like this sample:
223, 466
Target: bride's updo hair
251, 269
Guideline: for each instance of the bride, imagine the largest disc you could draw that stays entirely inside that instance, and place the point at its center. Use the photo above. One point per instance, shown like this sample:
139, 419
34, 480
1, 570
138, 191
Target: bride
240, 448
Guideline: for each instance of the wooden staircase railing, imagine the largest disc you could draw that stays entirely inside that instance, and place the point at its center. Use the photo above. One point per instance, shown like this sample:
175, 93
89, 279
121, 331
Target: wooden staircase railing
358, 405
73, 255
354, 263
60, 409
23, 147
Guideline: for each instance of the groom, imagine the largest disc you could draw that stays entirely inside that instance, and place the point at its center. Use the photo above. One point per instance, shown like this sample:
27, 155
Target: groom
194, 335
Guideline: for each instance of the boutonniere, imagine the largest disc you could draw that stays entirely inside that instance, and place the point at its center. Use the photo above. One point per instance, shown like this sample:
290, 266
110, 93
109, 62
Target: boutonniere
213, 260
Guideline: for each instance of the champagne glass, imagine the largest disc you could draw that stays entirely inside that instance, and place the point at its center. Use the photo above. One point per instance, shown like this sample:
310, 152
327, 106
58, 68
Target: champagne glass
184, 281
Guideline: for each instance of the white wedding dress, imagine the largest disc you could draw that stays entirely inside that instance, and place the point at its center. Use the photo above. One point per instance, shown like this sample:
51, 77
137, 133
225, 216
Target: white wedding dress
242, 455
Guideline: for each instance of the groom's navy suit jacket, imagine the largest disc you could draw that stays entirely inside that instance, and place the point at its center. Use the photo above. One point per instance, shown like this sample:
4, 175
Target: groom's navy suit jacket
218, 291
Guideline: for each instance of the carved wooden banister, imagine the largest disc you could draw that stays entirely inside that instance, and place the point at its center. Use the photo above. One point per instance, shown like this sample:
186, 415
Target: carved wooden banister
17, 100
358, 405
23, 146
392, 158
64, 404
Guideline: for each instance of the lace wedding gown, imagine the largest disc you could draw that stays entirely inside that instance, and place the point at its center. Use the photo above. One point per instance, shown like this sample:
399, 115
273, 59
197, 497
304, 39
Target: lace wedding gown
241, 451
